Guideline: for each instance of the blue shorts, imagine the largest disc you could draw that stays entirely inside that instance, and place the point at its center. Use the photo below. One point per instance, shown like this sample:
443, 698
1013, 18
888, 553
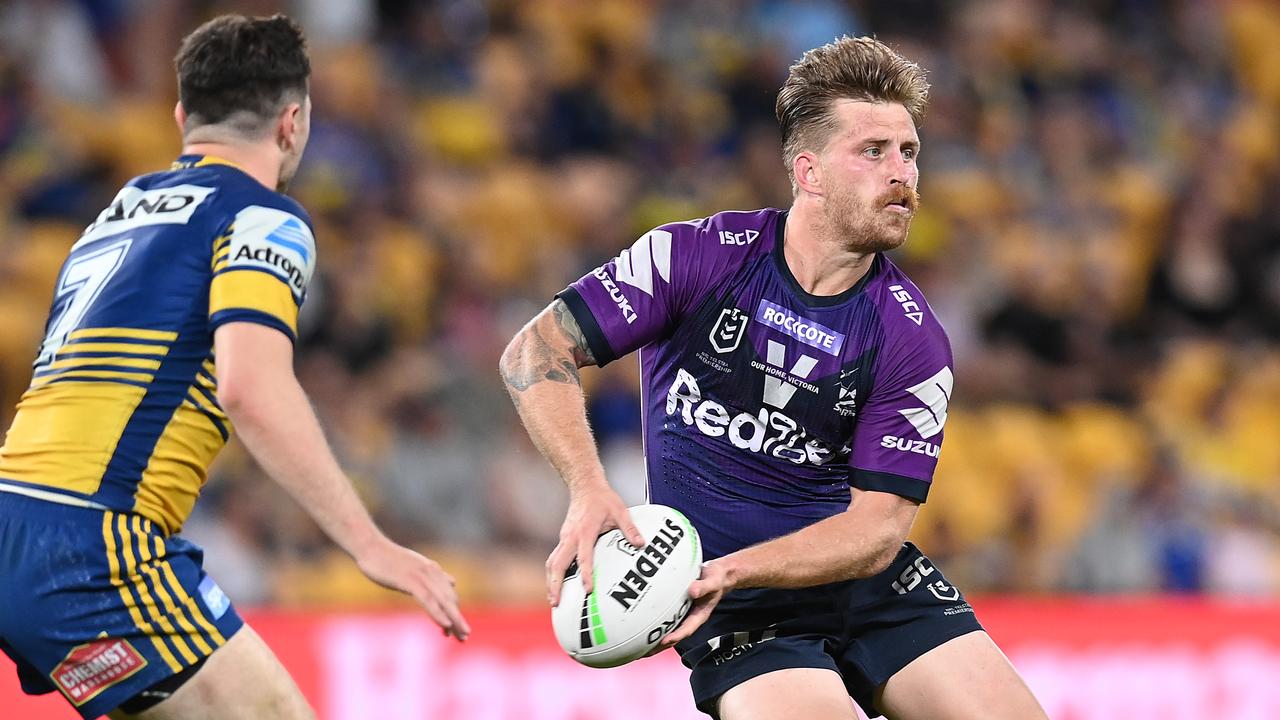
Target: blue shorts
100, 605
865, 630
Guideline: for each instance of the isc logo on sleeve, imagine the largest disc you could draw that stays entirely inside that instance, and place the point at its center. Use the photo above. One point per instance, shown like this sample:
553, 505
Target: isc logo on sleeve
910, 307
746, 237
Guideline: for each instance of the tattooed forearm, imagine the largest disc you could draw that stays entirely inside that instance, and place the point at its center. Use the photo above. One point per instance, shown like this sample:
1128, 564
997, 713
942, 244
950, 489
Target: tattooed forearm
546, 355
578, 339
530, 359
550, 348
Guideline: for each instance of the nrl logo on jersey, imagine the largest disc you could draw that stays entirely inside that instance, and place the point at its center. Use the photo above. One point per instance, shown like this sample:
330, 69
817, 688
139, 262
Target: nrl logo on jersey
727, 333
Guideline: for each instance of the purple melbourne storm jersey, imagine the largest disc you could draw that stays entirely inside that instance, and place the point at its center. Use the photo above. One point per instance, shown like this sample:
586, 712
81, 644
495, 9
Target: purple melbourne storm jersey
762, 403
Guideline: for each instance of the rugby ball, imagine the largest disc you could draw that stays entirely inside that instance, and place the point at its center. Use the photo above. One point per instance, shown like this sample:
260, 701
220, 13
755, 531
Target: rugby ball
640, 594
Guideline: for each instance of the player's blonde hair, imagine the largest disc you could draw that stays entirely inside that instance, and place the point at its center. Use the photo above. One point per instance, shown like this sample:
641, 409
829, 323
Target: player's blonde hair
860, 68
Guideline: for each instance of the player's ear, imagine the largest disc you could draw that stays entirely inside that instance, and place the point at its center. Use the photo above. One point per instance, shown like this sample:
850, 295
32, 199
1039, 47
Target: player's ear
180, 117
289, 126
807, 172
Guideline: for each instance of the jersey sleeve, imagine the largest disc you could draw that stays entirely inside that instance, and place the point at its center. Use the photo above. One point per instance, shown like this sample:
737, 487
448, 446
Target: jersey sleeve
637, 297
261, 269
898, 436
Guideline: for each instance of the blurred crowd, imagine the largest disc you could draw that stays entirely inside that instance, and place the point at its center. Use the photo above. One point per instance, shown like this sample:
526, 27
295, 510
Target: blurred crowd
1100, 234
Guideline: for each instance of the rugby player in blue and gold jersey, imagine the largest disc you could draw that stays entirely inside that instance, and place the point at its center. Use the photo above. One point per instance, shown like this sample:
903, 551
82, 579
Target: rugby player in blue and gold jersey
173, 320
795, 387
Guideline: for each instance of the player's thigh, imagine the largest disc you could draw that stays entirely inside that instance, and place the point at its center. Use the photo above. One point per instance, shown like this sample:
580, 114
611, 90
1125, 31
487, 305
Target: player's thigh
966, 678
243, 680
810, 693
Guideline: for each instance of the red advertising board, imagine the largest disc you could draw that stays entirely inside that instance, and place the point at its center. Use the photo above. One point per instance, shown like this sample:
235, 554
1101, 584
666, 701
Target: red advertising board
1086, 659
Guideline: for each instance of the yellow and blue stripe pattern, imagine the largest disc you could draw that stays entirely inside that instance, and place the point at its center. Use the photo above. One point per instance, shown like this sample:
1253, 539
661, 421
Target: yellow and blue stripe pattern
101, 605
164, 610
122, 411
129, 356
222, 251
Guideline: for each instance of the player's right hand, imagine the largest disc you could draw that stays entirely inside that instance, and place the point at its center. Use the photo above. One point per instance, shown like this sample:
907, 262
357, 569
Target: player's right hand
399, 568
591, 512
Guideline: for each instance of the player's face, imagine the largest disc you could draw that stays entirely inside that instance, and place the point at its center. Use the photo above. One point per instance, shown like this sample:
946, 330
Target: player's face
870, 174
297, 128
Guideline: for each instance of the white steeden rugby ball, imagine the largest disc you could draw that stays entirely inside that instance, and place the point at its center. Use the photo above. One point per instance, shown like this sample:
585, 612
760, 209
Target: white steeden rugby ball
640, 595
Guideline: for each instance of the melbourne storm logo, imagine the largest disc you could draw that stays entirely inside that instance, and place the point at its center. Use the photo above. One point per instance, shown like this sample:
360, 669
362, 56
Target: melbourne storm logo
847, 402
727, 333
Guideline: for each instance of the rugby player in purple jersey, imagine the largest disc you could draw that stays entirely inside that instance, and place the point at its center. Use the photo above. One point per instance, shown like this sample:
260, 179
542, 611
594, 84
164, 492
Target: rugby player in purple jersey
795, 388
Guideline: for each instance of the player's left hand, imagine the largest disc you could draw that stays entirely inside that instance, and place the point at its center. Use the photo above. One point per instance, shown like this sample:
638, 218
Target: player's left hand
706, 592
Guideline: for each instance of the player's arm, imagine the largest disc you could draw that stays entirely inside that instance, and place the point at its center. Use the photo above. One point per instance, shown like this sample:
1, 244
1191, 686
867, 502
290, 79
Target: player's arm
540, 369
259, 392
857, 543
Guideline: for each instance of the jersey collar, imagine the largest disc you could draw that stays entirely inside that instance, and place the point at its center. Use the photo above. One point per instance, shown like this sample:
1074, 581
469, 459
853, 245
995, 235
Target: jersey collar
193, 161
780, 260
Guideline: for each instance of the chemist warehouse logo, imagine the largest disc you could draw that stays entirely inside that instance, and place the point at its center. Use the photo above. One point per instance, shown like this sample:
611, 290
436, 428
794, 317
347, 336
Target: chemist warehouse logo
93, 667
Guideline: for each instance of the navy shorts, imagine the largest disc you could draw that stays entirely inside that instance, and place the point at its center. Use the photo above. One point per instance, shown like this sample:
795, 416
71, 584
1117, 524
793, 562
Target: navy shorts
865, 630
101, 605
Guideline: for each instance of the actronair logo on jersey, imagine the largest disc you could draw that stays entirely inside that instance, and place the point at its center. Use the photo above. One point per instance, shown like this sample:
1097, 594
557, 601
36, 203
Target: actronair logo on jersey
267, 255
274, 241
768, 432
807, 331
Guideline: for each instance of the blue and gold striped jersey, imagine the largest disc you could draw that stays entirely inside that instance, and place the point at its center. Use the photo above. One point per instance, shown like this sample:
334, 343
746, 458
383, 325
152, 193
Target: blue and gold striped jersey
122, 411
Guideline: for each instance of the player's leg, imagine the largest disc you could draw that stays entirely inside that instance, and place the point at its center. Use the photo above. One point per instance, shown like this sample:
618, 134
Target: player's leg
242, 680
764, 654
811, 693
966, 678
915, 650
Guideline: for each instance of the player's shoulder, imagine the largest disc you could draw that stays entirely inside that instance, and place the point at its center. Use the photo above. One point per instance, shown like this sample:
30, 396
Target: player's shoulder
252, 197
729, 231
232, 190
707, 248
259, 221
909, 322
